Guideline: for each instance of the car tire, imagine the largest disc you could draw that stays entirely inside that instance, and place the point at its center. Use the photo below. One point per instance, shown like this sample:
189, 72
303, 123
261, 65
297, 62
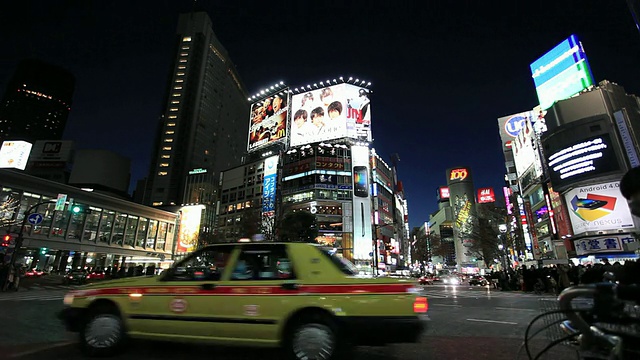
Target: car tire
102, 334
315, 337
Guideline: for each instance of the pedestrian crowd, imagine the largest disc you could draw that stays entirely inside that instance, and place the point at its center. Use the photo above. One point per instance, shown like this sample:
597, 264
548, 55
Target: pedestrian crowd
555, 278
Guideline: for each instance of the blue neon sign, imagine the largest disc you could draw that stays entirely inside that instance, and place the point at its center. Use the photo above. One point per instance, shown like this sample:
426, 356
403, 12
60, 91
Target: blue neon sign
562, 72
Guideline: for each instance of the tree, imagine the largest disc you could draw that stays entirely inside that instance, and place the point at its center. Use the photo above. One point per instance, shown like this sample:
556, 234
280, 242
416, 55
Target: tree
426, 246
298, 226
486, 237
8, 207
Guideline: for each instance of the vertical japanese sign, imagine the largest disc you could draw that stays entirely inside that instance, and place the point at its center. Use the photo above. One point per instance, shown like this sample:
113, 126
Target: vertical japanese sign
269, 189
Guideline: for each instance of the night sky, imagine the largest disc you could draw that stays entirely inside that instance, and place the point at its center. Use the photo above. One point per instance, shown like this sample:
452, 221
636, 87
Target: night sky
441, 74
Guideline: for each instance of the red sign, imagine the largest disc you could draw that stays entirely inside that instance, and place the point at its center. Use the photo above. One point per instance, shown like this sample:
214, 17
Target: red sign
458, 174
486, 195
443, 191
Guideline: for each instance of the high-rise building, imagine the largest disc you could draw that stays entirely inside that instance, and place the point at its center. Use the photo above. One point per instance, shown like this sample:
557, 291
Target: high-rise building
36, 103
204, 123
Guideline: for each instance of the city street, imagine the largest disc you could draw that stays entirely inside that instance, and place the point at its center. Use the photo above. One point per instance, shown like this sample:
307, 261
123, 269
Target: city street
466, 322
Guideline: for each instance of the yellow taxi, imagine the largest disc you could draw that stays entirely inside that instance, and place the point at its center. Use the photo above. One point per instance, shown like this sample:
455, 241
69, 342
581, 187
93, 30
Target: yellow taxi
297, 296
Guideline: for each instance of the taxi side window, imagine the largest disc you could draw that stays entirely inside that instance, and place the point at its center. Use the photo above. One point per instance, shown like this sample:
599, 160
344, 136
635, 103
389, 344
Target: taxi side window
263, 263
205, 265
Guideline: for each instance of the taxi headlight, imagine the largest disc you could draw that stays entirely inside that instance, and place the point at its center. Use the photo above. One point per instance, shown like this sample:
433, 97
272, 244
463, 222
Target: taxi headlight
68, 299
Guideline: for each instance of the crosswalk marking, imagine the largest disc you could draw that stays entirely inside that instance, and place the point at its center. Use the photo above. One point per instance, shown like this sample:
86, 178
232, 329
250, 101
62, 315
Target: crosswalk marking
452, 294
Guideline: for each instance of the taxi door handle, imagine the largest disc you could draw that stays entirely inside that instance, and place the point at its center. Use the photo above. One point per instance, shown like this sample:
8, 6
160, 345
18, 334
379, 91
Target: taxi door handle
290, 286
207, 286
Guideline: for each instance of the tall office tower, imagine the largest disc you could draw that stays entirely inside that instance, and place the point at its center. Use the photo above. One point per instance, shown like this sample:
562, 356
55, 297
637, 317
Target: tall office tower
36, 103
204, 126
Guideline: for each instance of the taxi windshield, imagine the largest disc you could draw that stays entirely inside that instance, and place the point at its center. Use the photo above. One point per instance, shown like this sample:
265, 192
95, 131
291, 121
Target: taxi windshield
343, 264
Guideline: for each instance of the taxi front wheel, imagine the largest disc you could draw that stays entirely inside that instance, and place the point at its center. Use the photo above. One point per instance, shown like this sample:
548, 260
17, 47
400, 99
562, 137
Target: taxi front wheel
102, 334
315, 339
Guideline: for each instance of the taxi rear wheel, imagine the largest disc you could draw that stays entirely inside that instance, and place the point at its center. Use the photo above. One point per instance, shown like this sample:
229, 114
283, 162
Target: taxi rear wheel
102, 334
315, 338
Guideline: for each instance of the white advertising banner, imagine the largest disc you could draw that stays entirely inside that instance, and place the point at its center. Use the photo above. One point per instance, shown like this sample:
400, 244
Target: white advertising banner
362, 219
14, 154
599, 244
525, 154
598, 208
330, 113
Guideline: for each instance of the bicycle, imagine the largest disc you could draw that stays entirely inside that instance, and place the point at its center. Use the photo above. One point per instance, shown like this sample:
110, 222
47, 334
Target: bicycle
599, 322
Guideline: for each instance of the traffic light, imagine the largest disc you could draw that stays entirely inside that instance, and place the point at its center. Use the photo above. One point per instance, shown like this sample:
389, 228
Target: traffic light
43, 251
80, 209
5, 240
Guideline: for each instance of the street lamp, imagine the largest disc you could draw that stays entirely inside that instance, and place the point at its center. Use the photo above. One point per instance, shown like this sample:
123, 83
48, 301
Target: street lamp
20, 239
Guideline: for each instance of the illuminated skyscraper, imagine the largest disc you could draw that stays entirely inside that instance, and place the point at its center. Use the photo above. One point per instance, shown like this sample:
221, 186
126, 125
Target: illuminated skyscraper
205, 121
36, 103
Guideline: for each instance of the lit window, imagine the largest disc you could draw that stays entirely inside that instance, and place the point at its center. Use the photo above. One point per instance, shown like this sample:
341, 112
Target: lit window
169, 132
175, 101
186, 38
157, 203
166, 148
180, 74
177, 88
171, 124
168, 140
176, 95
184, 54
183, 60
185, 48
173, 117
162, 173
181, 67
179, 80
164, 164
166, 156
173, 109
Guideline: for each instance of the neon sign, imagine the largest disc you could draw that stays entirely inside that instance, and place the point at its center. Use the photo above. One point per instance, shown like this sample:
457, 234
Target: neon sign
458, 174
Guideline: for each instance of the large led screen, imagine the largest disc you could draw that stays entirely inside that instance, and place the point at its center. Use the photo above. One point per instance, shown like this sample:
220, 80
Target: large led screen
268, 121
570, 162
561, 73
362, 232
333, 112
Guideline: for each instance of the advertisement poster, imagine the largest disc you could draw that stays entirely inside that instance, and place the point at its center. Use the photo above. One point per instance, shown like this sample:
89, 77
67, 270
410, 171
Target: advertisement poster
333, 112
14, 154
268, 121
486, 195
362, 233
598, 208
190, 217
462, 200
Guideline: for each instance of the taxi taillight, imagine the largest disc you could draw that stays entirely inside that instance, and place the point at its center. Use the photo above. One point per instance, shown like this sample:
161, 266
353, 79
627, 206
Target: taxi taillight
420, 305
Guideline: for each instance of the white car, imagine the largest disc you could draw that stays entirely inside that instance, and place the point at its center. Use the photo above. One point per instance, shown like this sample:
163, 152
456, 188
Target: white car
450, 280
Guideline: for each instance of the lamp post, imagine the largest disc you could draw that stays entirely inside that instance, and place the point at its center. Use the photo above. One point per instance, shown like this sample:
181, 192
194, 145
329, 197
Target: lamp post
20, 239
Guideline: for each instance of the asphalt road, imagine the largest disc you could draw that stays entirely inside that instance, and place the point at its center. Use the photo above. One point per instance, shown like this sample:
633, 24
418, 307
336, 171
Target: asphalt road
466, 323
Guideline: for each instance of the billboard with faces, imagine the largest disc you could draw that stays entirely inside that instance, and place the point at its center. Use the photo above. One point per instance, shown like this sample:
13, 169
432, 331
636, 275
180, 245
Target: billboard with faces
329, 113
268, 121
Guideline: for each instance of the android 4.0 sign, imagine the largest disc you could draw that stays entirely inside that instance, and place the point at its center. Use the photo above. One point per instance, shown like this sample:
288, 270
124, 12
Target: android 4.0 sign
597, 208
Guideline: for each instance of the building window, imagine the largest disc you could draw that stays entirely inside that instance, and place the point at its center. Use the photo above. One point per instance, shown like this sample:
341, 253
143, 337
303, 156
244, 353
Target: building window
173, 109
168, 140
176, 95
166, 156
157, 203
130, 233
172, 117
171, 124
184, 54
162, 173
169, 132
177, 88
175, 101
166, 148
185, 48
181, 67
186, 38
180, 74
164, 164
183, 60
179, 80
